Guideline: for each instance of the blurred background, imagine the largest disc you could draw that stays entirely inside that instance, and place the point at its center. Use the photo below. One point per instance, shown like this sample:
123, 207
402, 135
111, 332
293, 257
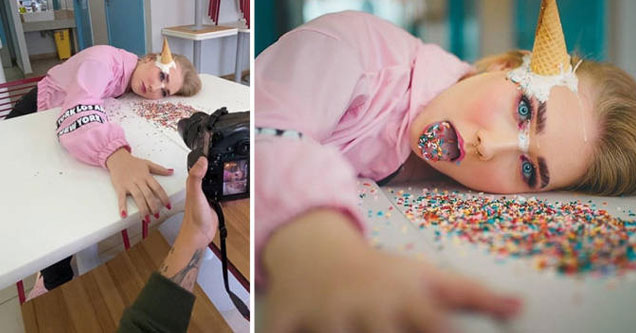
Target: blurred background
36, 35
596, 29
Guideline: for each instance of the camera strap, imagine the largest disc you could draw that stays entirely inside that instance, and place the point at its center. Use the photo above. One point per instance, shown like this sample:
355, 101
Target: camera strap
240, 306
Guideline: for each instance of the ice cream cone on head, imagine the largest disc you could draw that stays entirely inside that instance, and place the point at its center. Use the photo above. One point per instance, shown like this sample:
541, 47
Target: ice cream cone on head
164, 60
549, 53
549, 63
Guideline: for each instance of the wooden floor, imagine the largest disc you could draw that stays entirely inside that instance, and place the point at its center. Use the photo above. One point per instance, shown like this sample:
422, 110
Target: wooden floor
237, 221
96, 301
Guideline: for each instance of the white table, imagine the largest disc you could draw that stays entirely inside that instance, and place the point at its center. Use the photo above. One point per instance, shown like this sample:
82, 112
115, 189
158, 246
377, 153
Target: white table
552, 302
52, 206
189, 32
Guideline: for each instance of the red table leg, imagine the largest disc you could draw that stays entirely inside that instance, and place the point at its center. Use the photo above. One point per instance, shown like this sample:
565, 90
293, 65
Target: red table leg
144, 229
124, 236
21, 296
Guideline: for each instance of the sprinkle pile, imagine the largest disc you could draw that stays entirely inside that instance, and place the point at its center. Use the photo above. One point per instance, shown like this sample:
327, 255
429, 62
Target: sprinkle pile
570, 237
164, 114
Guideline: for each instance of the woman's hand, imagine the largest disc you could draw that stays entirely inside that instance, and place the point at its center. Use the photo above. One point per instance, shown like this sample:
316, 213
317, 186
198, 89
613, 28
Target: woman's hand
323, 277
131, 175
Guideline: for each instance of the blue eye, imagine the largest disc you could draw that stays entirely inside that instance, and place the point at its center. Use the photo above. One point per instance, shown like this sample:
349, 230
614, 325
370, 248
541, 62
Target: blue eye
527, 169
524, 109
162, 76
528, 172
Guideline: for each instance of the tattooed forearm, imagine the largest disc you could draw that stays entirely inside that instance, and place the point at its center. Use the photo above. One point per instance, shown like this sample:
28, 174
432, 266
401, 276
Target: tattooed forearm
187, 276
164, 266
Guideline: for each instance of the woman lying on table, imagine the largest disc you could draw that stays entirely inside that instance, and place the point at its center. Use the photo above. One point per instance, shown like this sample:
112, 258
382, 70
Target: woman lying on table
350, 95
79, 86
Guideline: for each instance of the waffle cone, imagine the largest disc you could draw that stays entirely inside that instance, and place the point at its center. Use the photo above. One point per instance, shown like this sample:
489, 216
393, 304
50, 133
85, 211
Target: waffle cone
549, 51
166, 55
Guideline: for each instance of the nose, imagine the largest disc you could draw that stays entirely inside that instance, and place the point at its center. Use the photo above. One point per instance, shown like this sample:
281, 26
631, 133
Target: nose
489, 144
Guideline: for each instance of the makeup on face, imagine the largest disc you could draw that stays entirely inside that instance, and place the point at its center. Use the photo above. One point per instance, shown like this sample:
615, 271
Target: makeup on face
164, 79
528, 112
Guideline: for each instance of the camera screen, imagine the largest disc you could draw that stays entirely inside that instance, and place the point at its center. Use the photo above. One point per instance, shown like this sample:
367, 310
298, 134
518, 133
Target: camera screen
235, 177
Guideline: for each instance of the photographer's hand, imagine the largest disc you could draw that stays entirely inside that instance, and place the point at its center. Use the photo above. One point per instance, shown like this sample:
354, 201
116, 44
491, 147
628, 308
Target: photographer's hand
197, 231
324, 277
198, 213
132, 175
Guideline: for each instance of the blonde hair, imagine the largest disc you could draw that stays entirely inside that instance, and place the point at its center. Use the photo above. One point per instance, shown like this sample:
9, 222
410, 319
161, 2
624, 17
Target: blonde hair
191, 81
612, 170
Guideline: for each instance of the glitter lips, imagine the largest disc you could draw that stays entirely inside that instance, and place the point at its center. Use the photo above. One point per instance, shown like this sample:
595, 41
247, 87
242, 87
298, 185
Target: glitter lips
441, 142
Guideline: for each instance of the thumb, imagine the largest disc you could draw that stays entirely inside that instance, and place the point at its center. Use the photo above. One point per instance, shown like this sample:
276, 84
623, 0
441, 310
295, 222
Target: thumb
197, 172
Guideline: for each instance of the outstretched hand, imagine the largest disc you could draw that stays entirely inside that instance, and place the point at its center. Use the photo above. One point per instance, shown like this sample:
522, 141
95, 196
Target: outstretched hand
132, 175
323, 277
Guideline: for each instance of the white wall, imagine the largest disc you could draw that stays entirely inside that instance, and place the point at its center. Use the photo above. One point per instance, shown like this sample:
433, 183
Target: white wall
218, 55
623, 52
98, 22
38, 44
496, 20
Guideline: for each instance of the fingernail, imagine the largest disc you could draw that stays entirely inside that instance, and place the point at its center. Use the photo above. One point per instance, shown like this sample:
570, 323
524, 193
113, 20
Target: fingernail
147, 218
512, 306
156, 215
171, 170
169, 206
123, 214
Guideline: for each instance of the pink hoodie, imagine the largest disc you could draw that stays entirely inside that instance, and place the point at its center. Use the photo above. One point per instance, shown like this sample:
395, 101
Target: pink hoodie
351, 83
79, 86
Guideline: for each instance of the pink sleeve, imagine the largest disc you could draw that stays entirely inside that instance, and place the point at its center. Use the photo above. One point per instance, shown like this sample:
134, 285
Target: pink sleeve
83, 128
304, 82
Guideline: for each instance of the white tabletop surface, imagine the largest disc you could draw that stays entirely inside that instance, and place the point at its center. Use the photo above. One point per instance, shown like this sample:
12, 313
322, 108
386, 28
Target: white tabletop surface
199, 36
552, 302
52, 206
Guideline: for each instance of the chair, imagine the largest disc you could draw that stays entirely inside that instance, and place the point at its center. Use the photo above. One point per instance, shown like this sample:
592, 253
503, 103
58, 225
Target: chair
245, 9
215, 6
11, 92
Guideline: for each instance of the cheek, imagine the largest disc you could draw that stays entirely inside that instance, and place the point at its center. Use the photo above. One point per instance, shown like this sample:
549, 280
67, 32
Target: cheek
484, 176
486, 110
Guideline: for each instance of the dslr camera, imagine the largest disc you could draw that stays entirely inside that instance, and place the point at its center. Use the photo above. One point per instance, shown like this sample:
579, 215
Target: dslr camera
224, 139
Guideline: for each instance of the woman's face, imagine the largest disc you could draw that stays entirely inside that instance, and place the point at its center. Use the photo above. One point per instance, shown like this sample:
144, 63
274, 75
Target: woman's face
489, 112
150, 82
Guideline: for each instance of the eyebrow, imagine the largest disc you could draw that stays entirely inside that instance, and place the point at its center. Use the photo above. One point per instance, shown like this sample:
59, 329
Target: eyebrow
544, 172
541, 117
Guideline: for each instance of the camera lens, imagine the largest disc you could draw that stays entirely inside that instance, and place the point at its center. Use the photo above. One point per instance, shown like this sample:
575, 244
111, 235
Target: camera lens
181, 126
189, 128
244, 147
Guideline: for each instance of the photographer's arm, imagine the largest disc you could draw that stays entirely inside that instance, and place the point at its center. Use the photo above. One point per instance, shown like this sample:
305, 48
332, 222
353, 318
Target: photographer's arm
165, 303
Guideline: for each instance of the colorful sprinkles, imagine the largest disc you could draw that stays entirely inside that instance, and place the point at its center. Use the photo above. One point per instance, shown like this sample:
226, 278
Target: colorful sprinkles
163, 114
433, 144
569, 237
